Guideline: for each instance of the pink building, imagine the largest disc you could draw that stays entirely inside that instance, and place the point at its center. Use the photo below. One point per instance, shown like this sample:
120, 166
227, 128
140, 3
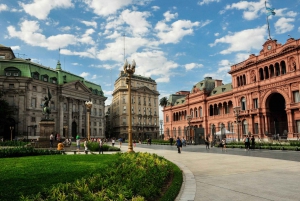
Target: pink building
262, 100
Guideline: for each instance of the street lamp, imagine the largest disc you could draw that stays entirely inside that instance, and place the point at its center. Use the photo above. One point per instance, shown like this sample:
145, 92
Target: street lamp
89, 105
236, 111
161, 123
11, 129
213, 135
189, 118
129, 70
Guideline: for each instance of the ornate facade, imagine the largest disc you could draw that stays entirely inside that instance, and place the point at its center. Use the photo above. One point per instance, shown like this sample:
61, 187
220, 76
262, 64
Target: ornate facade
263, 98
26, 83
144, 107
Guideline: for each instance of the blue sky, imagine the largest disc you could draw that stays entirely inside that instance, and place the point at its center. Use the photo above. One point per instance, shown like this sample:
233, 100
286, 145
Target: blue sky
175, 42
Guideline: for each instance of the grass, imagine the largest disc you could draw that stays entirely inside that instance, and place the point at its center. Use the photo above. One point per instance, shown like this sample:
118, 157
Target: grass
30, 175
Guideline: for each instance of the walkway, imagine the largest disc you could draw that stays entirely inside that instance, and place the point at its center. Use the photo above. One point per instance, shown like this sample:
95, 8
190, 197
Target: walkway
233, 175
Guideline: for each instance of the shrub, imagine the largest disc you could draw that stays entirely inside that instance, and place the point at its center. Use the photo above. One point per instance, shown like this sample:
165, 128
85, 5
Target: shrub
25, 151
13, 143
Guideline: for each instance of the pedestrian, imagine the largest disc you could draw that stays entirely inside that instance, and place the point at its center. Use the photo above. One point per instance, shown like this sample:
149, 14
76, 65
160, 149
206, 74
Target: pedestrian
78, 142
140, 141
179, 145
183, 142
207, 142
51, 140
101, 146
252, 142
85, 146
150, 141
120, 141
134, 143
113, 142
223, 142
171, 141
247, 142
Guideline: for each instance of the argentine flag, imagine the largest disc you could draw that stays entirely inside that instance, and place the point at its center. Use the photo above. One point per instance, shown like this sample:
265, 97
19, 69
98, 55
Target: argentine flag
270, 11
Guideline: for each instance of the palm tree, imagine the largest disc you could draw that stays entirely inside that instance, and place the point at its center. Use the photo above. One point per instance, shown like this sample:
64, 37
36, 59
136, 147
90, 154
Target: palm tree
163, 102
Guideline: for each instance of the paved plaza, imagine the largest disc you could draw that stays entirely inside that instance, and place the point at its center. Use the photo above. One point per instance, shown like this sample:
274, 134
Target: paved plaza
233, 175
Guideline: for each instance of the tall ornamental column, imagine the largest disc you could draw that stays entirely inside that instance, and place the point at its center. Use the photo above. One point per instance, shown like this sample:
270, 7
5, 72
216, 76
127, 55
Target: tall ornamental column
70, 118
61, 115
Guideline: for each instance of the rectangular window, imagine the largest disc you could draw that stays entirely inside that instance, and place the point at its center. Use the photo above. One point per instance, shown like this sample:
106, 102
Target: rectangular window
11, 86
33, 102
124, 109
296, 96
255, 103
255, 128
11, 100
32, 119
65, 107
52, 106
33, 88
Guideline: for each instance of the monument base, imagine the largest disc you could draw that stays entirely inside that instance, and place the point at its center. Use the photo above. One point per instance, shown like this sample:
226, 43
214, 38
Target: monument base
46, 128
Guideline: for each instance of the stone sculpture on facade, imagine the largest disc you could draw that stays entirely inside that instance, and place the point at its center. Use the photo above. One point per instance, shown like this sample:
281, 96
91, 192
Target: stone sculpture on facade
46, 108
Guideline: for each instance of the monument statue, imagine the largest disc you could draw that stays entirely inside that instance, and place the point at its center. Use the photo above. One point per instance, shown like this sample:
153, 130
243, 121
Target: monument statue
46, 107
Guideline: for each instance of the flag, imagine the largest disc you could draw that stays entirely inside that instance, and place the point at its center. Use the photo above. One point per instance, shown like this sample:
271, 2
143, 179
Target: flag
270, 11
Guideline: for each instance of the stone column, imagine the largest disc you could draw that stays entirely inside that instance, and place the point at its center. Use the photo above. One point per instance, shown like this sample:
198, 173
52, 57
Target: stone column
70, 118
61, 115
261, 123
290, 124
80, 104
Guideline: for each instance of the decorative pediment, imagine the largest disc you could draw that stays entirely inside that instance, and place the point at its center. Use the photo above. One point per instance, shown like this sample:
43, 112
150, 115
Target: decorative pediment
76, 86
145, 89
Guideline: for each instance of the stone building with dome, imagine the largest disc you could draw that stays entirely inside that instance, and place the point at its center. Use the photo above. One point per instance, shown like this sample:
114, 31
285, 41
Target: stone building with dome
26, 83
262, 100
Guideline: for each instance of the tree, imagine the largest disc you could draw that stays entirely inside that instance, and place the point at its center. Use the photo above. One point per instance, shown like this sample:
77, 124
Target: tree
5, 112
163, 102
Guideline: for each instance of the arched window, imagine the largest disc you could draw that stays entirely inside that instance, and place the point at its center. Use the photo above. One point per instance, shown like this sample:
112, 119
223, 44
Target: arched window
179, 132
12, 71
283, 67
272, 70
243, 103
244, 79
238, 81
261, 74
245, 127
277, 69
196, 112
167, 118
266, 72
174, 132
200, 111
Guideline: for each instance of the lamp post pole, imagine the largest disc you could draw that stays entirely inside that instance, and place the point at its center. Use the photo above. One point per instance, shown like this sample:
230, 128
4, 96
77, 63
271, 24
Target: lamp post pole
189, 118
161, 123
129, 70
237, 111
89, 105
11, 129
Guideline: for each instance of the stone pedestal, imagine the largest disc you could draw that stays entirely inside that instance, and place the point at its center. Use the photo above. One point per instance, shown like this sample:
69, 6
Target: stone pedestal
46, 128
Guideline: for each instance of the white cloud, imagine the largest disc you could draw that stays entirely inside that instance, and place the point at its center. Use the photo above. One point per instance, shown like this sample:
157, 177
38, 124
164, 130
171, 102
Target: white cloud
155, 8
94, 77
30, 33
87, 23
244, 40
86, 38
153, 63
207, 2
15, 47
107, 7
191, 66
76, 64
298, 29
107, 66
284, 25
3, 7
66, 28
169, 16
251, 9
113, 35
217, 34
115, 50
175, 32
41, 8
136, 21
180, 54
90, 53
84, 74
241, 57
281, 13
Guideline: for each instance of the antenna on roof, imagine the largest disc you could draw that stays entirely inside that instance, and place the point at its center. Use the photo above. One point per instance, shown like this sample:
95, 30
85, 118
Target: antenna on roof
290, 36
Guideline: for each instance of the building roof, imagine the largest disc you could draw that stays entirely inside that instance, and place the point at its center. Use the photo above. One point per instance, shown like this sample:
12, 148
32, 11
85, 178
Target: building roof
221, 89
208, 84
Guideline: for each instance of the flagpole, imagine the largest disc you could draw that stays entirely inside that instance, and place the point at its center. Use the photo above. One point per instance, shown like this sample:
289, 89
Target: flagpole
268, 22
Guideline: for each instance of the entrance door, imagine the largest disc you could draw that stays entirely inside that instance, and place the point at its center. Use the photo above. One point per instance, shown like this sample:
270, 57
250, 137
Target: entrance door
74, 129
278, 117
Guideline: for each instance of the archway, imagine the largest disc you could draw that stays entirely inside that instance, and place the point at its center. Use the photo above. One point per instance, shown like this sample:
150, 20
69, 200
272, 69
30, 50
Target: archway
74, 129
278, 118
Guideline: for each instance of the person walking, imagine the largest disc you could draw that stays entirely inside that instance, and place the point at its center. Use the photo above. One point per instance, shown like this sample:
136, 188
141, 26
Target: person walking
78, 142
85, 146
113, 142
223, 142
183, 142
101, 146
179, 145
171, 141
207, 142
51, 140
252, 142
120, 141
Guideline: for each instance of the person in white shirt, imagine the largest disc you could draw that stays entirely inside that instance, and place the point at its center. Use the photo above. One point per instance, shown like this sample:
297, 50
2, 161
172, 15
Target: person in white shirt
113, 142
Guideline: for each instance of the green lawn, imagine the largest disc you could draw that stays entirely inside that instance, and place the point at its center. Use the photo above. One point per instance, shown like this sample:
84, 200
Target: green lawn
30, 175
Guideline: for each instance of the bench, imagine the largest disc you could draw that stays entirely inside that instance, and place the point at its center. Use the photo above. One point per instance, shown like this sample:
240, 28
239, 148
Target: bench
62, 151
75, 151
